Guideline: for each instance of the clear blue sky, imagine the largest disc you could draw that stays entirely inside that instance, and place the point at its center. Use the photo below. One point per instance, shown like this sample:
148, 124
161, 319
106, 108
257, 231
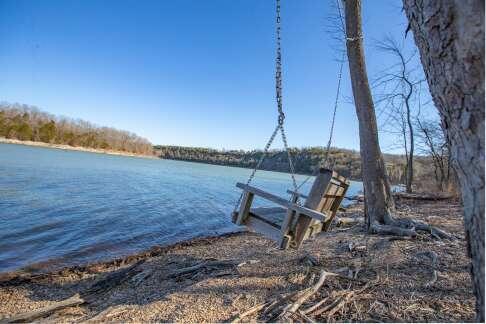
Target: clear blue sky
186, 72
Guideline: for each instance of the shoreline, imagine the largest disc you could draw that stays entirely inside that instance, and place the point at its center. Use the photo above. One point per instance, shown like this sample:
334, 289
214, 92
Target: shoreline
219, 278
30, 272
66, 147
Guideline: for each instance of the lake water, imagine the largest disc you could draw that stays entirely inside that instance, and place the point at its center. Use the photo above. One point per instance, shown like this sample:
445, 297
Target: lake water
60, 208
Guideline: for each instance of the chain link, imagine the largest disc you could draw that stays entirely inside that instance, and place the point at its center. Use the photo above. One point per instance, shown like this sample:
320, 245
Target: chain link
278, 69
324, 162
281, 114
260, 161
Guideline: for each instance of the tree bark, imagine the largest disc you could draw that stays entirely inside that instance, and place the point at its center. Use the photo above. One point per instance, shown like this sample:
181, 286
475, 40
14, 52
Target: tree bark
379, 201
450, 38
409, 181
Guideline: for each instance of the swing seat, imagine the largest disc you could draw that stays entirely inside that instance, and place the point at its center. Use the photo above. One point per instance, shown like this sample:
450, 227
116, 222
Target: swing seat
289, 223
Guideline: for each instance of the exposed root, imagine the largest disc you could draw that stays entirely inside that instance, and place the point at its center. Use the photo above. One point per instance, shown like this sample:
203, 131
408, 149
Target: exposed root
377, 228
408, 227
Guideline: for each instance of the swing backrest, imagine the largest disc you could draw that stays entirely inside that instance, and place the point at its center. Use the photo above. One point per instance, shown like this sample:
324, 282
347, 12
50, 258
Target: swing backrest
327, 191
332, 198
325, 196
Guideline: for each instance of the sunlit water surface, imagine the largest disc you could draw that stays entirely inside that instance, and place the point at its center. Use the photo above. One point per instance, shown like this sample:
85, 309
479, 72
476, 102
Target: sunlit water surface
60, 208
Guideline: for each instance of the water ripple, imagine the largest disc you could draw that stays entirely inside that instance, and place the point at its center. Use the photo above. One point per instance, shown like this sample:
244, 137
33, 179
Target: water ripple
61, 208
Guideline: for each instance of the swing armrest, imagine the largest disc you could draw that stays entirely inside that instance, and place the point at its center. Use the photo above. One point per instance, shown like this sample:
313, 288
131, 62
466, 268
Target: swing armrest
282, 202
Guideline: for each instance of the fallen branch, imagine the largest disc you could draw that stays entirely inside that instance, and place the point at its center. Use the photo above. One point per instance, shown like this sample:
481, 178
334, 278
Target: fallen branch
250, 311
199, 266
295, 306
434, 259
107, 313
344, 300
30, 316
343, 221
92, 293
421, 196
110, 281
315, 306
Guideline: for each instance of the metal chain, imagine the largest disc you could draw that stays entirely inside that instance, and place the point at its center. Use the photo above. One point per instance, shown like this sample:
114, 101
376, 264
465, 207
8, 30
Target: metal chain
324, 162
336, 102
257, 166
289, 156
278, 69
278, 93
281, 114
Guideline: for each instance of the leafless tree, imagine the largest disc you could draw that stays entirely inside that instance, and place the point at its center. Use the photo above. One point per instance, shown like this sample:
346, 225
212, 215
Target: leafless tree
379, 204
433, 144
397, 90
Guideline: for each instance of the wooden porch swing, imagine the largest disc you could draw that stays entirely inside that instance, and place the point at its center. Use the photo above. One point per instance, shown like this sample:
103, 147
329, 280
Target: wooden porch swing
290, 223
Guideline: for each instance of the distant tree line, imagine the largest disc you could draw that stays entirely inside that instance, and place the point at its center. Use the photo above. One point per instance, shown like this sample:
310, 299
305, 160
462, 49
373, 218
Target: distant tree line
28, 123
345, 162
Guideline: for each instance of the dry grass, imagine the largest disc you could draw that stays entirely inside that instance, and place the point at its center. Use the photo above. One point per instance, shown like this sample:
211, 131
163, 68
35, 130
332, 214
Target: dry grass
393, 279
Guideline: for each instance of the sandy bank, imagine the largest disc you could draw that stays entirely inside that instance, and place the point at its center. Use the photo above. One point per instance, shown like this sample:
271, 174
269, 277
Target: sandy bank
73, 148
216, 279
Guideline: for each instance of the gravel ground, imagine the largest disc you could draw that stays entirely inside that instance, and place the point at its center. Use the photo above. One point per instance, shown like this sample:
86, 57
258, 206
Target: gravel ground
393, 279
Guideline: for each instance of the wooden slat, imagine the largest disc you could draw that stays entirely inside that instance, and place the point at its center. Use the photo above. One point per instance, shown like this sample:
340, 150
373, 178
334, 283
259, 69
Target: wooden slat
328, 202
267, 220
244, 207
272, 215
319, 188
282, 202
263, 228
263, 194
335, 207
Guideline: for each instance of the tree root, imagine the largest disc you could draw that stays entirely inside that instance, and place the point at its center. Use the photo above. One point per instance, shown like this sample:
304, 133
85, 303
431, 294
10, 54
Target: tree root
408, 227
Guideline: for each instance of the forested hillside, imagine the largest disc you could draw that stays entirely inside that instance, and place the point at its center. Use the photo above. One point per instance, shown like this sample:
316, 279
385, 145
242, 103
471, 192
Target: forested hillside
27, 123
346, 162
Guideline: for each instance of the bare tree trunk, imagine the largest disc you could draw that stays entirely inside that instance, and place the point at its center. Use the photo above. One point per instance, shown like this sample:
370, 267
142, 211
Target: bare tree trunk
379, 201
409, 181
450, 37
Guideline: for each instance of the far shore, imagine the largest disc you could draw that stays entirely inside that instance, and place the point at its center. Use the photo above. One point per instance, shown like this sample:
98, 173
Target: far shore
74, 148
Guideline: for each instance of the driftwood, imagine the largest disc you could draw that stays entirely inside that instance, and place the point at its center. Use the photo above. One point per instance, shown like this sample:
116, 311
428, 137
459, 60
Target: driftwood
345, 221
111, 281
421, 196
250, 311
30, 316
199, 266
295, 306
92, 293
434, 259
278, 309
106, 314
